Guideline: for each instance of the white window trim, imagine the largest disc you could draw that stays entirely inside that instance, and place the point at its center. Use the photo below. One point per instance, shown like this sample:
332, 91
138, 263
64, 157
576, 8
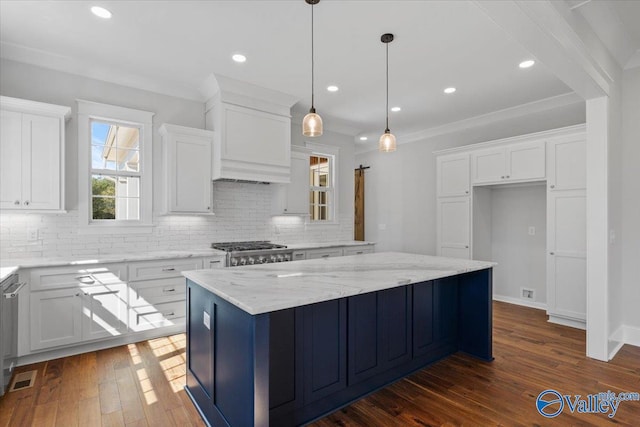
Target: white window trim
87, 111
334, 152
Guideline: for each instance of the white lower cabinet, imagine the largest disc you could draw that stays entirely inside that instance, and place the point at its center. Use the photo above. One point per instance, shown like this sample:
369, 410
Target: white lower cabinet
323, 253
56, 318
70, 306
358, 250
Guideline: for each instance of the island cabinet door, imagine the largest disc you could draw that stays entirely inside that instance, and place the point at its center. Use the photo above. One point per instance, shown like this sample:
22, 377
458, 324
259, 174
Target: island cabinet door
285, 361
325, 349
435, 317
379, 332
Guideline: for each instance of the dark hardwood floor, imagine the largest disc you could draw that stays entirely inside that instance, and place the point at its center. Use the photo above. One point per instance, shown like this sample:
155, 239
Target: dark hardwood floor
141, 385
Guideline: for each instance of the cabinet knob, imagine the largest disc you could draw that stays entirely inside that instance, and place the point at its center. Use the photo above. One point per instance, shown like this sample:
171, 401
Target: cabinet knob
208, 208
552, 186
17, 202
502, 177
507, 176
466, 246
466, 192
552, 253
26, 203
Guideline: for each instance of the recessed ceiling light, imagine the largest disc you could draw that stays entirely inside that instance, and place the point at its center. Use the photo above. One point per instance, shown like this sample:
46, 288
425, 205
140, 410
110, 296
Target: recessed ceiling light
101, 12
395, 109
526, 64
332, 88
238, 57
450, 90
363, 138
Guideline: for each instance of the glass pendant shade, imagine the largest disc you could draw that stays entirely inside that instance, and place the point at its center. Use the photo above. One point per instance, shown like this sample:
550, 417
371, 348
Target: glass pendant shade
387, 142
312, 124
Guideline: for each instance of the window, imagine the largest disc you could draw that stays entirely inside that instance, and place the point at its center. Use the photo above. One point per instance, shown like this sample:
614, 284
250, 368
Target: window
115, 181
322, 183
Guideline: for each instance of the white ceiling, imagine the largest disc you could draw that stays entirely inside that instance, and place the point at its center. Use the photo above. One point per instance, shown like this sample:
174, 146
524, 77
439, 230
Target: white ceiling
172, 46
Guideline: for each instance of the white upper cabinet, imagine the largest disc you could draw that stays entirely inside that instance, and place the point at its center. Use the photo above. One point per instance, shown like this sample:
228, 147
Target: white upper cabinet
509, 163
254, 129
293, 198
188, 169
567, 163
453, 175
32, 155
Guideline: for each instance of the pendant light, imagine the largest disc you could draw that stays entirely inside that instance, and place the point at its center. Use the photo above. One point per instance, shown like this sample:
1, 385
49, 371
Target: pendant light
387, 141
312, 122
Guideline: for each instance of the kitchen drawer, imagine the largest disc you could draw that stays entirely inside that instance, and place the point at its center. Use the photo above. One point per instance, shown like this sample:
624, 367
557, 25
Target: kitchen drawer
163, 268
215, 262
155, 291
157, 315
358, 250
298, 255
323, 253
74, 276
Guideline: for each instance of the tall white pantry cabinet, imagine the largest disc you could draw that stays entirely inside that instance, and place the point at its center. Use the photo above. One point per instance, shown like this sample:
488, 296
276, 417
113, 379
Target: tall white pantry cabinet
554, 158
32, 155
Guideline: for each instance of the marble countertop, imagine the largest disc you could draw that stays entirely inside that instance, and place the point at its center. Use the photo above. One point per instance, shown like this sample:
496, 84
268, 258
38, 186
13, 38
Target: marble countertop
107, 258
264, 288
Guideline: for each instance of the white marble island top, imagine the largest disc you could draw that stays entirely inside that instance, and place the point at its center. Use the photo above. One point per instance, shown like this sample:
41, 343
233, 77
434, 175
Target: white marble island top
264, 288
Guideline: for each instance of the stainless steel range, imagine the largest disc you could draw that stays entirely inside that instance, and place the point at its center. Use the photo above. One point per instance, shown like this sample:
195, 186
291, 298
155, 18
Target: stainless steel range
257, 252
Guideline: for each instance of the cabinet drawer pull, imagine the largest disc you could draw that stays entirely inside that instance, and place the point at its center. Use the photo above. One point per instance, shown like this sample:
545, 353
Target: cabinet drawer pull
168, 314
17, 202
325, 256
26, 203
169, 290
95, 294
169, 269
359, 253
214, 262
13, 290
87, 280
552, 186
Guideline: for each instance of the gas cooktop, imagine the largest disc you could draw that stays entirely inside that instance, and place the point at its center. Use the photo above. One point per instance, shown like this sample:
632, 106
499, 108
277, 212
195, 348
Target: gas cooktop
246, 246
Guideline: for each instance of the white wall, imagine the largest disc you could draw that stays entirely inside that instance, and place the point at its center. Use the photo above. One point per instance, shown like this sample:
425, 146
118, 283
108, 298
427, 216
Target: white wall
400, 187
243, 211
629, 234
521, 257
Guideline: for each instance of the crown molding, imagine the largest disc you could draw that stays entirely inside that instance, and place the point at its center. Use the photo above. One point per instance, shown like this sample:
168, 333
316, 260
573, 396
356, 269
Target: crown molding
66, 64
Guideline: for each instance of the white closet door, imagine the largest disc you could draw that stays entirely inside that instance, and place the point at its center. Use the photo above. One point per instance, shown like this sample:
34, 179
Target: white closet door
566, 258
454, 233
453, 175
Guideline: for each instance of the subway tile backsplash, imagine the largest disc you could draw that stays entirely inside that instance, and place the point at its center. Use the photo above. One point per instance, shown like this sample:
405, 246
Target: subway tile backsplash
242, 212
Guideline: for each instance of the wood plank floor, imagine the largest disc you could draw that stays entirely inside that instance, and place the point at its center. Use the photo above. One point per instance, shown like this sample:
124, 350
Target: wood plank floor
141, 385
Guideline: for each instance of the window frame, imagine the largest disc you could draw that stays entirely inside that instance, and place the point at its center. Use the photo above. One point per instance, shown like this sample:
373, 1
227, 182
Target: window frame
332, 154
88, 112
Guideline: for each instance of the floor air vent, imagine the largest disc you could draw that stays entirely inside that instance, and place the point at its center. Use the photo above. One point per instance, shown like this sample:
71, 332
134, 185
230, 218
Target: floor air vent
23, 380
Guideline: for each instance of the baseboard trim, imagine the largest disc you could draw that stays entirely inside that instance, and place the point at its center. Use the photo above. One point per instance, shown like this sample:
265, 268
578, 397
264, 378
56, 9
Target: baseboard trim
57, 353
579, 324
518, 301
625, 334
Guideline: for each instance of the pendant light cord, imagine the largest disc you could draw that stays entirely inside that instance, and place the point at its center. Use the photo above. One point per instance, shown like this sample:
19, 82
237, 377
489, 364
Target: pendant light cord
312, 63
387, 45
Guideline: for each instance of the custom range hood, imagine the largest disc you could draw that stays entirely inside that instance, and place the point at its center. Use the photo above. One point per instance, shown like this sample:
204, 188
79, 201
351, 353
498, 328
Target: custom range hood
252, 128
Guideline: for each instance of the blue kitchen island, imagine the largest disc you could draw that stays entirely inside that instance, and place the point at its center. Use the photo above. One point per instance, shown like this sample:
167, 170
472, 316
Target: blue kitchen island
283, 344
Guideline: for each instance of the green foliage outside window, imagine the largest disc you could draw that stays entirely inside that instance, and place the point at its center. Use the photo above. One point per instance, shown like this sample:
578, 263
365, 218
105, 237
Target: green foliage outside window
104, 202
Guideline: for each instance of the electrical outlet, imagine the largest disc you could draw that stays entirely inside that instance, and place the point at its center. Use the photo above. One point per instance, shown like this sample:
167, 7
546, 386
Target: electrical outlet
527, 293
32, 234
532, 231
206, 319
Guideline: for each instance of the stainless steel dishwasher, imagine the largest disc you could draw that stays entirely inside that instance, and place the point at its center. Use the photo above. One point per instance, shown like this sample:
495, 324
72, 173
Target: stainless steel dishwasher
8, 328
